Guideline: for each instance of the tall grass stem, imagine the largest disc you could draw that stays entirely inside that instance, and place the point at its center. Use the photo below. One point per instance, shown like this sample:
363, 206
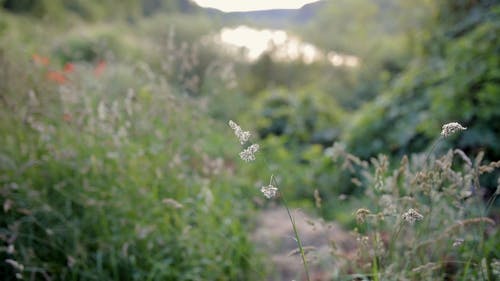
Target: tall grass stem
299, 242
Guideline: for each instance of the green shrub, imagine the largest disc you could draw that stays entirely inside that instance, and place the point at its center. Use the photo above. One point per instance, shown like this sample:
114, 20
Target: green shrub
455, 82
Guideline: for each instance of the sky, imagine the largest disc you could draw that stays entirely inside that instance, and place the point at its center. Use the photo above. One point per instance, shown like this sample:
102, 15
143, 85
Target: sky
252, 5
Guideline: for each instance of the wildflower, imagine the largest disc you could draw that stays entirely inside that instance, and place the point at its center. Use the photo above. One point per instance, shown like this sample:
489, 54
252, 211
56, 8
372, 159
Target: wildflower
57, 77
361, 215
412, 215
451, 128
69, 67
249, 154
99, 69
40, 60
269, 191
243, 136
67, 117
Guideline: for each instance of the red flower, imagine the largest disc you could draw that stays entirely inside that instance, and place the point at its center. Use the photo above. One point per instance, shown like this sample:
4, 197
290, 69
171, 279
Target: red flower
99, 69
69, 67
67, 117
57, 77
40, 60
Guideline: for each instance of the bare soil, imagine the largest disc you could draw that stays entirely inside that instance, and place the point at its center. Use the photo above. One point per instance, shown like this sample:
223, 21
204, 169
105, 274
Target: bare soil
274, 236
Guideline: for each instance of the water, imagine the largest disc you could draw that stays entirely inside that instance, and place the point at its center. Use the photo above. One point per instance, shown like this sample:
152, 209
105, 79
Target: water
250, 43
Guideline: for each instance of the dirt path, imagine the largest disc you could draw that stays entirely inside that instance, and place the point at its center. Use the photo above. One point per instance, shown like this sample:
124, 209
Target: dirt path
274, 235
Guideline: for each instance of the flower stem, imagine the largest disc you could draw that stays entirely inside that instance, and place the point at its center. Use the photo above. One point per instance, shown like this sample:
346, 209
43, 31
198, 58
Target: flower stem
299, 243
432, 149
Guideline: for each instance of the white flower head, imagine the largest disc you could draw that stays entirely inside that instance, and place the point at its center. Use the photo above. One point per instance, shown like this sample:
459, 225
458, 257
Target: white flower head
249, 154
412, 215
243, 136
451, 128
269, 191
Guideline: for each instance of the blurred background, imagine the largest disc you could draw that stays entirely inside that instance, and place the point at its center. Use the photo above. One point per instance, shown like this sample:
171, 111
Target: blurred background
116, 160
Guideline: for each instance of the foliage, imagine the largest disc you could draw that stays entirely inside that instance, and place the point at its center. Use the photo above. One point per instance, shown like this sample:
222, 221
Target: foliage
111, 176
421, 219
455, 79
383, 34
305, 117
115, 162
95, 10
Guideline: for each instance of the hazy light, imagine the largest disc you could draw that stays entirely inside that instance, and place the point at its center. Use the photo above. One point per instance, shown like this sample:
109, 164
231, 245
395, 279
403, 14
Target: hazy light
252, 43
252, 5
340, 59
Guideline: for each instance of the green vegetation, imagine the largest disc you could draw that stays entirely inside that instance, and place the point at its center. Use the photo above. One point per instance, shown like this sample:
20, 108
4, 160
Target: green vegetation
117, 163
454, 78
108, 173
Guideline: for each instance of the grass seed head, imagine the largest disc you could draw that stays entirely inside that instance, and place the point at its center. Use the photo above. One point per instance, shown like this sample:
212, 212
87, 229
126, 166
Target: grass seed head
412, 215
243, 136
269, 191
361, 215
248, 154
451, 128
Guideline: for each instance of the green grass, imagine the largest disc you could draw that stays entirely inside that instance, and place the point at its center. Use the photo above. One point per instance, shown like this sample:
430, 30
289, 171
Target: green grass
132, 175
116, 177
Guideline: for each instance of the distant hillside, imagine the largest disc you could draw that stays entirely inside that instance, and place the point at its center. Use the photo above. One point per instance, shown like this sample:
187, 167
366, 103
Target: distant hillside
273, 18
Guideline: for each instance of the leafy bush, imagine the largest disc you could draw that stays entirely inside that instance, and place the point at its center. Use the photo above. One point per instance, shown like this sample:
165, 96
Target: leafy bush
456, 81
305, 117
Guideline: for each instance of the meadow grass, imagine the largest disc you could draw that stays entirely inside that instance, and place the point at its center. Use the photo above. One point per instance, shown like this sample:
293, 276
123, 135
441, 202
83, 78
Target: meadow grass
114, 175
425, 218
120, 168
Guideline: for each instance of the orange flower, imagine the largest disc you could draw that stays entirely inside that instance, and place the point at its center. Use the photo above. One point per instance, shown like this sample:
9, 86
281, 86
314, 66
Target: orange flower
40, 60
99, 69
67, 117
57, 77
69, 67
